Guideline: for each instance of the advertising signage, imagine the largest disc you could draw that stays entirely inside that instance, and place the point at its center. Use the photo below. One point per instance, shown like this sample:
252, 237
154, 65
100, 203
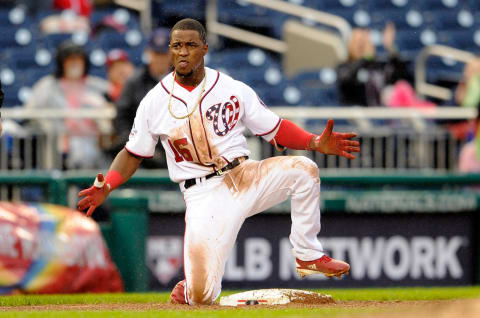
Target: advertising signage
394, 249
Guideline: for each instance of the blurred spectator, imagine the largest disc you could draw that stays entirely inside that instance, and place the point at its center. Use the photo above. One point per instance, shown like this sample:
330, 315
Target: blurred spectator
363, 78
119, 69
467, 93
73, 18
1, 103
72, 88
469, 158
137, 86
65, 22
80, 7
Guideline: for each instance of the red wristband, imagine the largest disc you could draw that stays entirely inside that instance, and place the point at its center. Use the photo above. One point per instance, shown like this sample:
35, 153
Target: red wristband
113, 179
291, 136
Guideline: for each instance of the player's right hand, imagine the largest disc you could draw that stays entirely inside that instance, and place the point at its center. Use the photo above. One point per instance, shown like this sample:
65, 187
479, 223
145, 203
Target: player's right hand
334, 143
93, 196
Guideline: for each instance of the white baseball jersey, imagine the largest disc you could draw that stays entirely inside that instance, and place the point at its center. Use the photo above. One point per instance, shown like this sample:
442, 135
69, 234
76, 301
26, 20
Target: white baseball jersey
208, 139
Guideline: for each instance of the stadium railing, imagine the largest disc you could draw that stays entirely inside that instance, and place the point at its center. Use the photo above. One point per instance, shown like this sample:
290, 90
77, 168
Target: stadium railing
391, 139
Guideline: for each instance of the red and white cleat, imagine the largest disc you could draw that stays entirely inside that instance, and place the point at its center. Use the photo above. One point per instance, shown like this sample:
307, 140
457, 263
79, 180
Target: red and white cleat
324, 265
178, 293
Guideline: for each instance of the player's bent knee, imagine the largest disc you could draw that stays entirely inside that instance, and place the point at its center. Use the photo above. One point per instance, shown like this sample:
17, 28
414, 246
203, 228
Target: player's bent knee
308, 166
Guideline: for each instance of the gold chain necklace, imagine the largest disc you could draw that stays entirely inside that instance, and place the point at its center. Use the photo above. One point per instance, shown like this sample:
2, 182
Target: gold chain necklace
196, 105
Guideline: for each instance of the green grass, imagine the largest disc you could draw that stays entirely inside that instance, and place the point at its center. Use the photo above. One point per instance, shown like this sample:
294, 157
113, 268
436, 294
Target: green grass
373, 294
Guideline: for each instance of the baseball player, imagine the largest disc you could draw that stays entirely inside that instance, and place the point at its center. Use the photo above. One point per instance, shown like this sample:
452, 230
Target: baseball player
199, 115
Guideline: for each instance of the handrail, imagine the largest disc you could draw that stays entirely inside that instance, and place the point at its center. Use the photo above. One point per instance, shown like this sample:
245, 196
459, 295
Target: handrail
315, 15
20, 113
360, 116
251, 38
299, 112
375, 112
421, 86
215, 27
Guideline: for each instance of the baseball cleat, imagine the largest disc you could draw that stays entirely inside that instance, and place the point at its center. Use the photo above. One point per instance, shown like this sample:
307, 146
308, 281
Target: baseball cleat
178, 293
324, 265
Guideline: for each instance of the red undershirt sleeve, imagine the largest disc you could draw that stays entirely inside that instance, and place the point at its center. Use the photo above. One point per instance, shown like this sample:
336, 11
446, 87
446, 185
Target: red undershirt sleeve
291, 136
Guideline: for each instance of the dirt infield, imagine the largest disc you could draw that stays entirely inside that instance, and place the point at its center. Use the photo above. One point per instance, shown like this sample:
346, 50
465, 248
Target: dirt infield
377, 309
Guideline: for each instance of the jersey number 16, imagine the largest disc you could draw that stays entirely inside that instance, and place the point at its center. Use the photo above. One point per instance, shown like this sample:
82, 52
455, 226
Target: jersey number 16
181, 153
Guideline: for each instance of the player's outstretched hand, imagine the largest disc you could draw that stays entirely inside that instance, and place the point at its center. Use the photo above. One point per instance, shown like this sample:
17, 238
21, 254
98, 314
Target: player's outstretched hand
93, 196
334, 143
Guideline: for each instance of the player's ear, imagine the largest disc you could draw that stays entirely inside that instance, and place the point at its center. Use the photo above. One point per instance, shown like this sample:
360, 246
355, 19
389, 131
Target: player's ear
205, 49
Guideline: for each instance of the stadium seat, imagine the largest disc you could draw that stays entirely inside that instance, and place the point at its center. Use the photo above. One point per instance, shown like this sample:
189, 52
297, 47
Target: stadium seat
136, 54
374, 5
184, 9
110, 39
437, 4
326, 96
460, 39
473, 4
17, 16
99, 14
409, 42
450, 20
318, 87
250, 16
53, 40
11, 95
403, 19
121, 16
14, 37
337, 5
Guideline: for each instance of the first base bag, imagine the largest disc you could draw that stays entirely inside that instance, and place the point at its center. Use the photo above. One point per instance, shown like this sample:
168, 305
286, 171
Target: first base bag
46, 248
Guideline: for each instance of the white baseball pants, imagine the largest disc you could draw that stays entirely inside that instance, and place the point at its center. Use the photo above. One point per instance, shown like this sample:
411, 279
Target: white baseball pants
217, 208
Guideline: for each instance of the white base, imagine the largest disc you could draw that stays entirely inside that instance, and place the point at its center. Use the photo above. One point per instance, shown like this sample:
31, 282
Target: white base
273, 297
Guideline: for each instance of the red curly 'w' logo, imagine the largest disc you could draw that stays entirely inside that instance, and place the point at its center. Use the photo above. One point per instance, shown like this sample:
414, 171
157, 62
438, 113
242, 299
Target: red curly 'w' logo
228, 112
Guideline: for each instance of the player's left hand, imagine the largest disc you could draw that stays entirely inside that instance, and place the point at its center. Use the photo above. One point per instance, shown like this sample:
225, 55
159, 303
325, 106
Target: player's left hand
334, 143
93, 196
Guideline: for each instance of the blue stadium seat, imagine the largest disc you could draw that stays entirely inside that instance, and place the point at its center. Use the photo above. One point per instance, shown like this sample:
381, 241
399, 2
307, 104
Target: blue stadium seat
16, 16
53, 40
136, 54
318, 87
98, 71
11, 95
444, 65
32, 76
409, 42
437, 4
110, 39
450, 20
473, 4
348, 14
121, 15
272, 95
99, 14
374, 5
184, 9
242, 58
251, 16
26, 58
336, 5
14, 37
320, 96
460, 39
